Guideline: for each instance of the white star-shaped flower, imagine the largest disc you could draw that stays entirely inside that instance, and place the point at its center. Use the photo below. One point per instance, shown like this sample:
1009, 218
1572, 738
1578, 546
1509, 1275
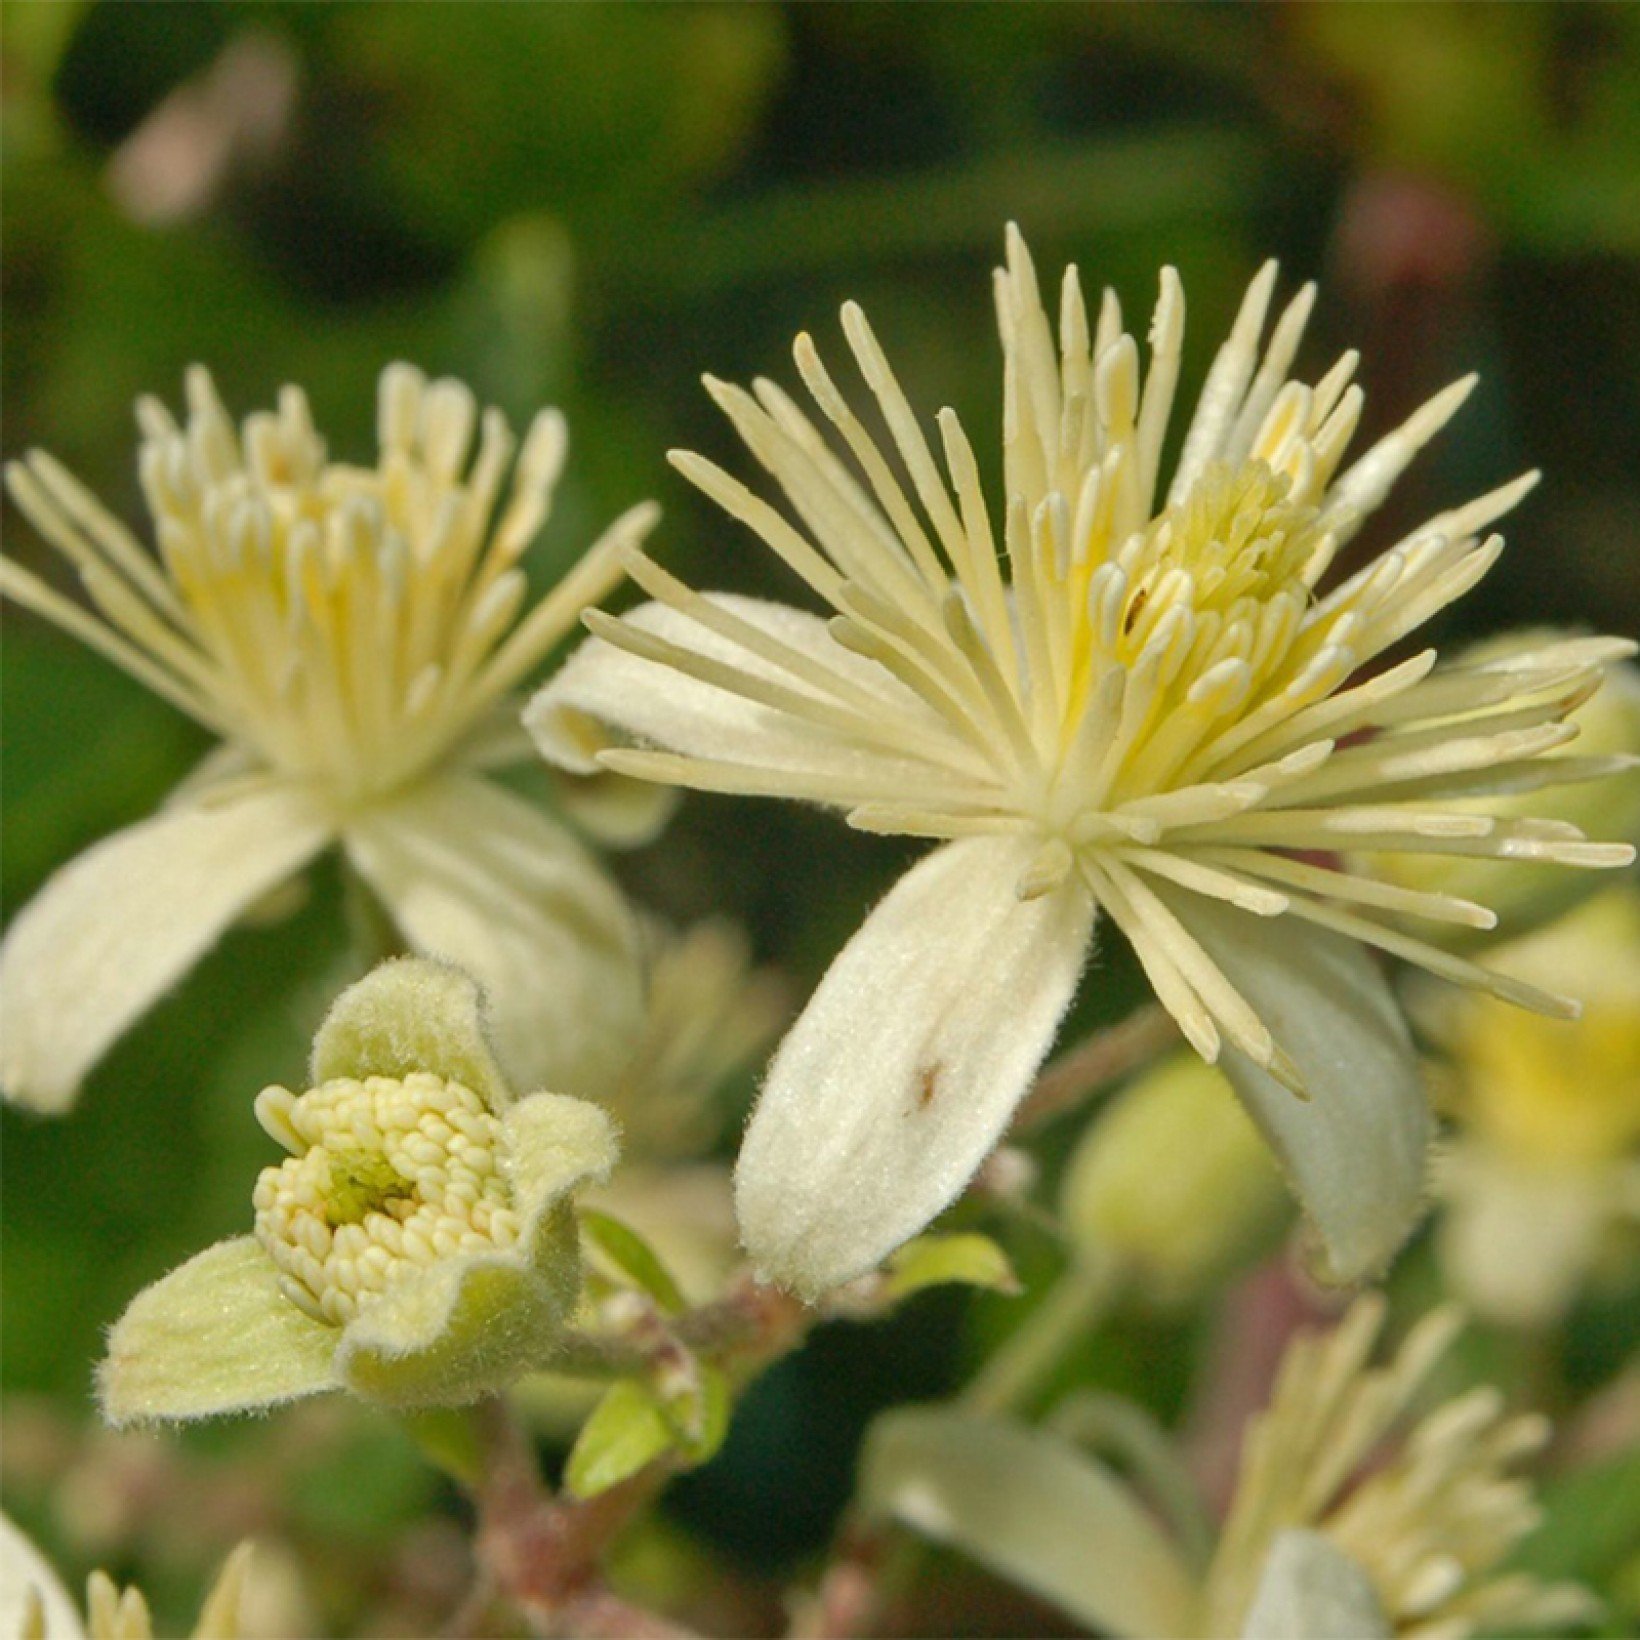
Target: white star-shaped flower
1101, 698
353, 634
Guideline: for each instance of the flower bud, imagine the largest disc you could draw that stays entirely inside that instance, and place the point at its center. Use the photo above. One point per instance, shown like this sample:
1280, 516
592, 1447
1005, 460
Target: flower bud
1174, 1178
417, 1246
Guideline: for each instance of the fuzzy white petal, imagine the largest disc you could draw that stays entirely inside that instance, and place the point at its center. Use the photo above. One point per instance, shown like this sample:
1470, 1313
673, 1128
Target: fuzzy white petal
1355, 1151
476, 876
645, 701
1310, 1590
1034, 1510
907, 1063
120, 924
215, 1335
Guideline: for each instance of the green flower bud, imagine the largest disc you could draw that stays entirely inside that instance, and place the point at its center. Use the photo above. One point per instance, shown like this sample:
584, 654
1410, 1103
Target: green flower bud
1174, 1179
417, 1246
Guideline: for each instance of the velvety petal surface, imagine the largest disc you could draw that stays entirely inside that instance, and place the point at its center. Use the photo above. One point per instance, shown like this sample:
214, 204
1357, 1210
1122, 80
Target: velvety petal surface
1035, 1511
476, 876
117, 926
406, 1016
465, 1329
215, 1335
904, 1068
1355, 1151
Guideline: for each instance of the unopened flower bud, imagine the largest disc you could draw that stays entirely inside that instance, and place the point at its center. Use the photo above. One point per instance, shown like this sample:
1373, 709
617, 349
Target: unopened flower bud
417, 1246
1174, 1178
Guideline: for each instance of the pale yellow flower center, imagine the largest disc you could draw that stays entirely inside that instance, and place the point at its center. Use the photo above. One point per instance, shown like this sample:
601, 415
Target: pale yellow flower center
346, 611
346, 627
385, 1178
1234, 547
1208, 604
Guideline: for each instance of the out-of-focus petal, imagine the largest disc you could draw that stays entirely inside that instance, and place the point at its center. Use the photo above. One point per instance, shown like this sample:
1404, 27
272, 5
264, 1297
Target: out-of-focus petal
1035, 1511
25, 1572
474, 875
119, 925
1311, 1590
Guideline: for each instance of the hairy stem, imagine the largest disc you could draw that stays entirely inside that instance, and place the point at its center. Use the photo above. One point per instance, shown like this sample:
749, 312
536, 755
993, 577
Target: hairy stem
1094, 1063
1027, 1359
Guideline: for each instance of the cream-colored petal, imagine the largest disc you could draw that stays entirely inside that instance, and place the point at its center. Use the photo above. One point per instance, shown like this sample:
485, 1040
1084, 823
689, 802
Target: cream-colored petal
907, 1063
601, 689
476, 876
555, 1145
119, 925
1355, 1151
1034, 1510
466, 1328
614, 810
25, 1572
406, 1016
1310, 1590
215, 1335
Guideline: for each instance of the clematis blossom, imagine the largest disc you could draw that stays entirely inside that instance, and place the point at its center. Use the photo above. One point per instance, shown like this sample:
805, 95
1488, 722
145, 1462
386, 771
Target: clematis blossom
1106, 696
353, 635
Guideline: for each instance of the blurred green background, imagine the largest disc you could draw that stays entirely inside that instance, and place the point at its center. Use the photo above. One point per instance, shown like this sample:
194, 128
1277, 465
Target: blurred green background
590, 204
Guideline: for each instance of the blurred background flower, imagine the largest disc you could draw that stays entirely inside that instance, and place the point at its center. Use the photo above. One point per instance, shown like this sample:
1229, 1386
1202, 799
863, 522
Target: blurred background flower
587, 206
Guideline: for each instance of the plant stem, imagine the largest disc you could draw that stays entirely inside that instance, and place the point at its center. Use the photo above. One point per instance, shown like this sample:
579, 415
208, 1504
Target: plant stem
1094, 1063
1026, 1360
543, 1553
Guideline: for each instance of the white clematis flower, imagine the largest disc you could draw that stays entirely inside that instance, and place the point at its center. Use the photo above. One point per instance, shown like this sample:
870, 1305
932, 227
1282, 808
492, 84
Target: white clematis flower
1342, 1527
353, 635
1149, 710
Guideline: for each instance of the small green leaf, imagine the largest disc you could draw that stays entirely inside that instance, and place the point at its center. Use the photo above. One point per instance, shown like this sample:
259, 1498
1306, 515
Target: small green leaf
932, 1261
702, 1419
633, 1257
627, 1430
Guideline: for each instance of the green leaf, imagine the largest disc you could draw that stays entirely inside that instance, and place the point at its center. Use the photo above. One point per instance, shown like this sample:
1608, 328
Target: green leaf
933, 1261
701, 1418
633, 1257
628, 1429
